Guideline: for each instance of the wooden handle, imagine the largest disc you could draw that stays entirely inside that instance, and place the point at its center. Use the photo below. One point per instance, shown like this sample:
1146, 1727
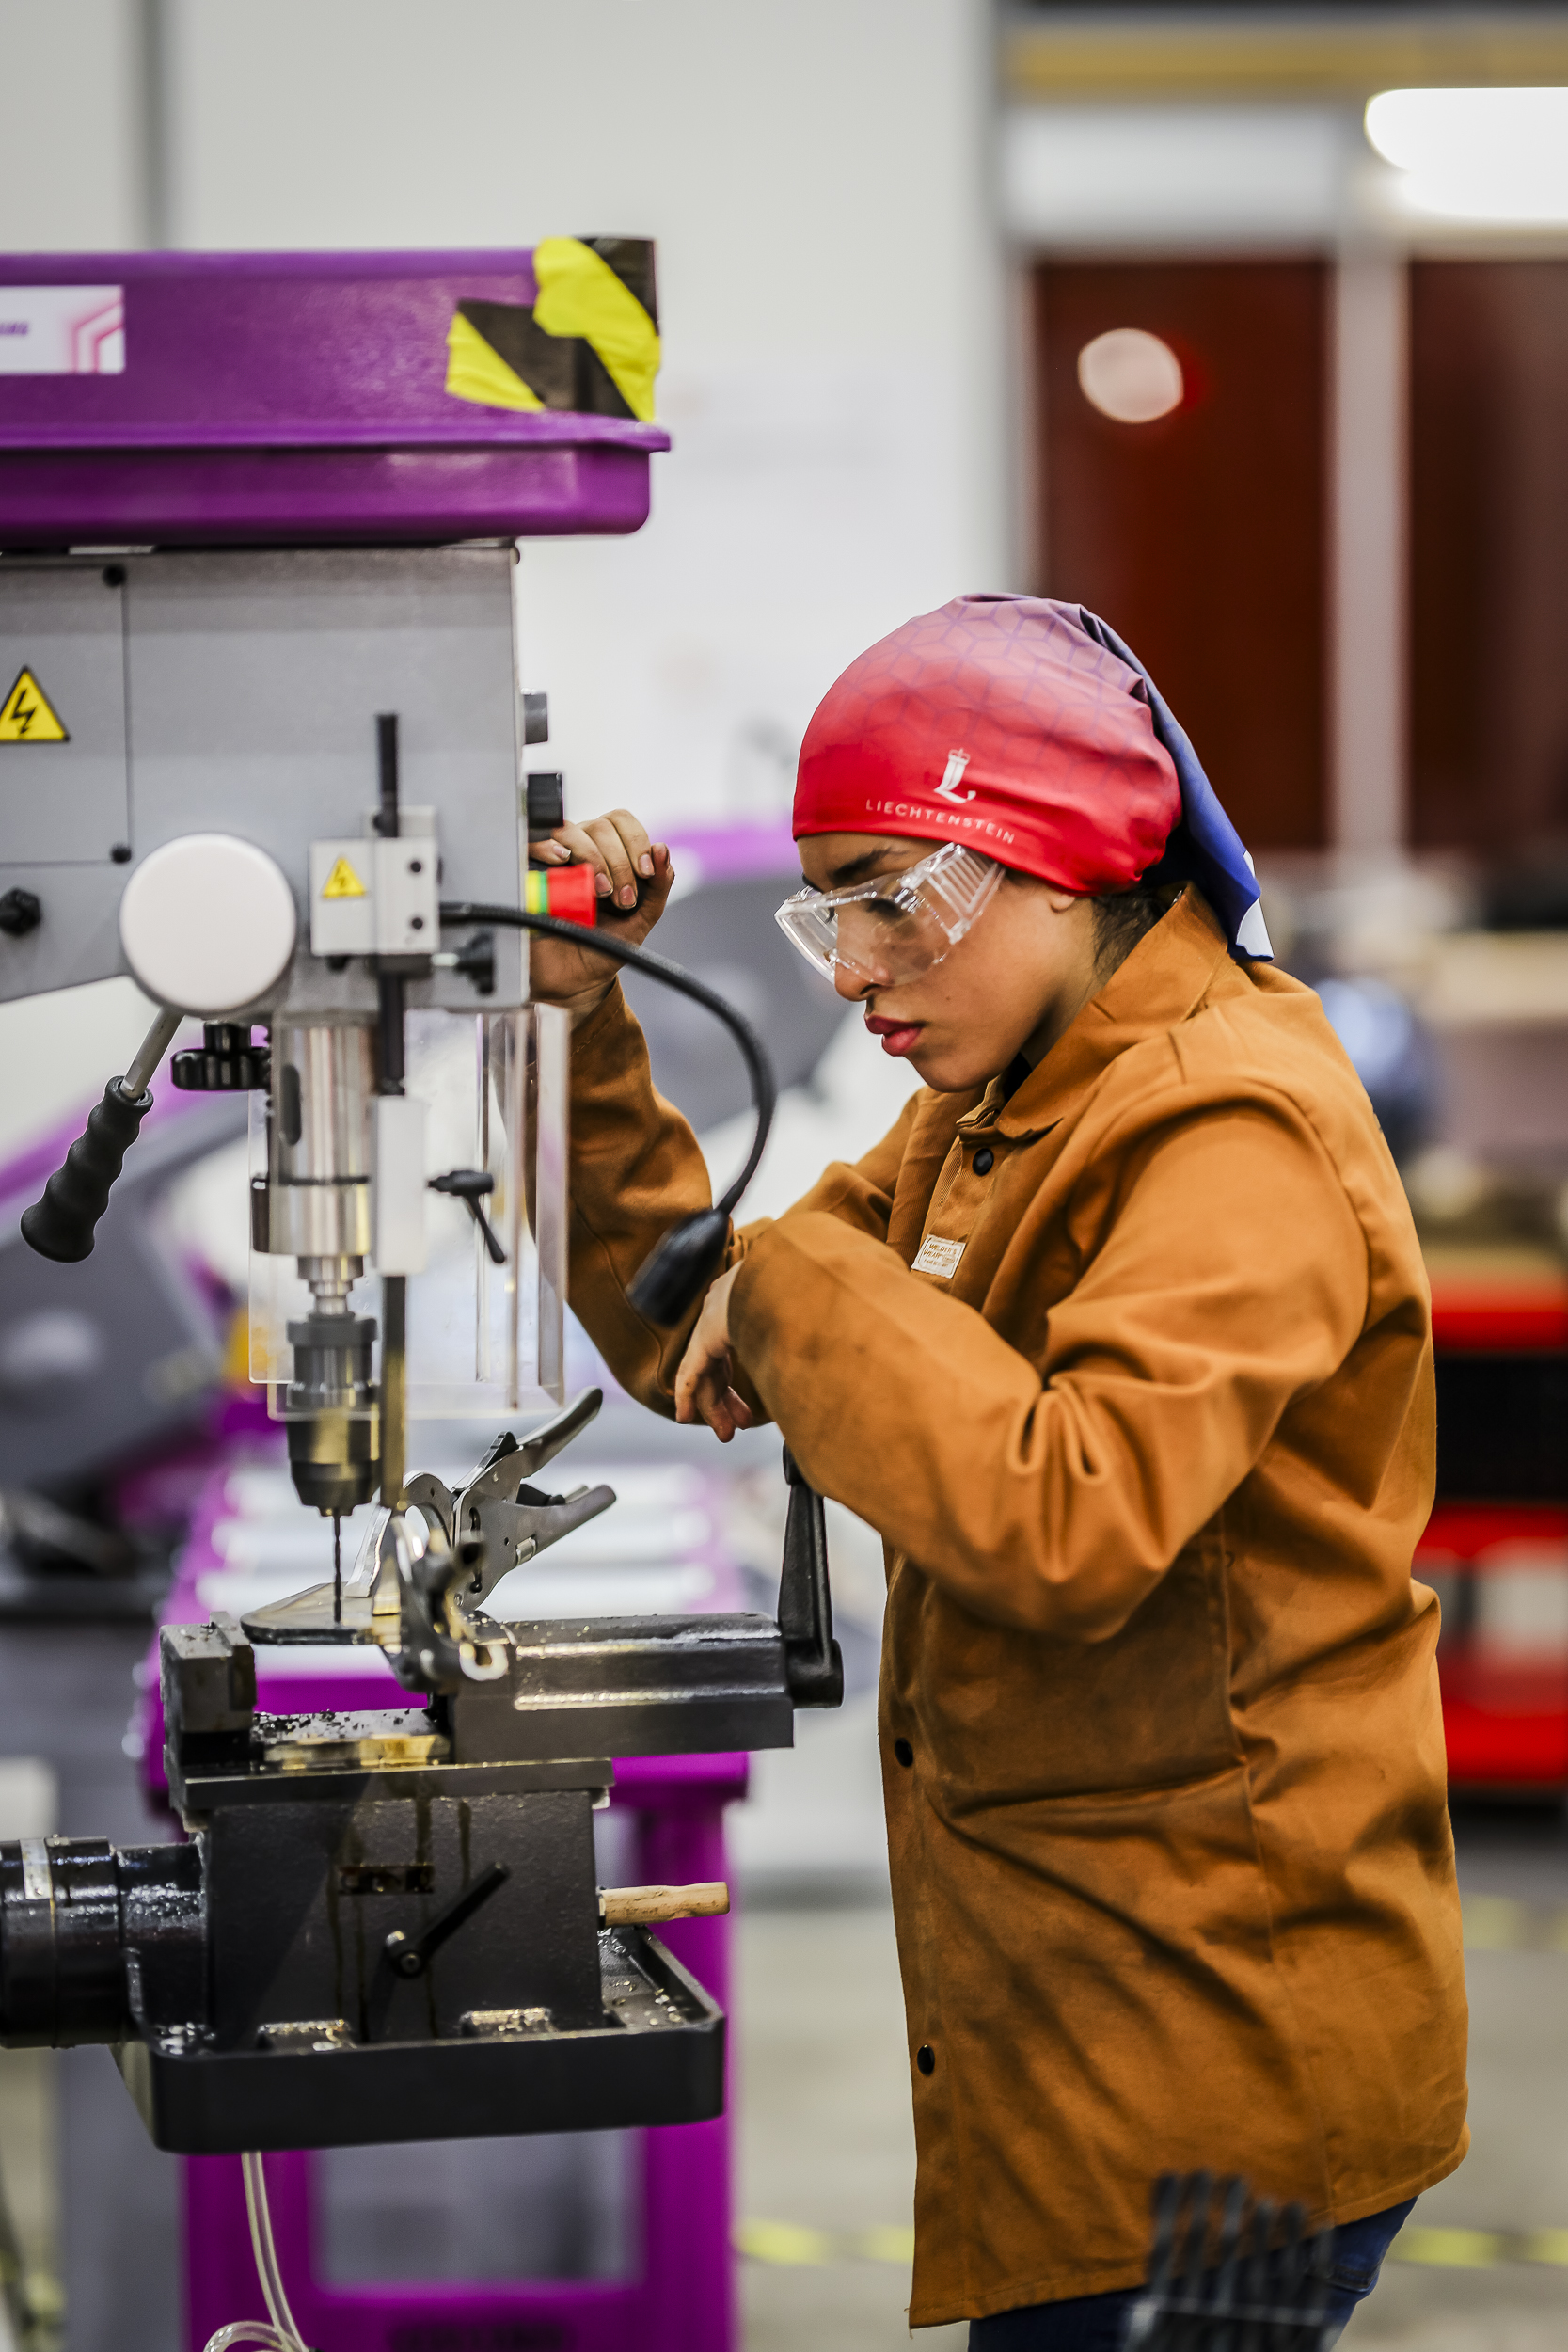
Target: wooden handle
646, 1906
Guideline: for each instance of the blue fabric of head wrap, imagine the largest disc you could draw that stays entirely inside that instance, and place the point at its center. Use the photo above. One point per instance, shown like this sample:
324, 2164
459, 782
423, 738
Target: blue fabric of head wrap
1205, 846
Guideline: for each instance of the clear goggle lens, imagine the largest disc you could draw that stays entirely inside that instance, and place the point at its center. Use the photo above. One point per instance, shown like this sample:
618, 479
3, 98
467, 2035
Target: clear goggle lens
895, 925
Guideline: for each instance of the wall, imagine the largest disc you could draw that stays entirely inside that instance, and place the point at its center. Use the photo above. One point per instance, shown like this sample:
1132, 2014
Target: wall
70, 154
815, 176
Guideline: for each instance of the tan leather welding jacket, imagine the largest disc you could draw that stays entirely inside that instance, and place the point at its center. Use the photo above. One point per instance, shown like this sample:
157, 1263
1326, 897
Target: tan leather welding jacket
1149, 1444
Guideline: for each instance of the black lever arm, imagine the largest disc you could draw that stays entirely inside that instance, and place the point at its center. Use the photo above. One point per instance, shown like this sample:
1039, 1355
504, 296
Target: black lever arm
813, 1664
470, 1185
411, 1955
62, 1225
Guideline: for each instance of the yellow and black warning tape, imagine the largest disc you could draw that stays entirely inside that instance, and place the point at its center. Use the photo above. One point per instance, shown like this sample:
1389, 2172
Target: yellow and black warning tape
792, 2245
589, 342
1478, 2250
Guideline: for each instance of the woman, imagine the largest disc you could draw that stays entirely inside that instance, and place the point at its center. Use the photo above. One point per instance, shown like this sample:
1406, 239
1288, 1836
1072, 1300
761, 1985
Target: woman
1121, 1340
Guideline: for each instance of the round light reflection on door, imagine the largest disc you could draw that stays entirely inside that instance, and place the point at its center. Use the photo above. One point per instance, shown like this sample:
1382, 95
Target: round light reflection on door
1131, 376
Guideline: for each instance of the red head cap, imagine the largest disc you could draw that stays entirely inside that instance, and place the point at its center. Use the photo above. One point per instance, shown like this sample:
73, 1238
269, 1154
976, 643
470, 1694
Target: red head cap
997, 721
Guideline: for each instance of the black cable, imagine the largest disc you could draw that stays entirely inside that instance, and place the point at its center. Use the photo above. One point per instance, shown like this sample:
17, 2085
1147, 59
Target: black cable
685, 1261
600, 943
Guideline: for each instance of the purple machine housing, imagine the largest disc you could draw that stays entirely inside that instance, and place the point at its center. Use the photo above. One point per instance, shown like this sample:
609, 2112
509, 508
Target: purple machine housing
292, 399
299, 400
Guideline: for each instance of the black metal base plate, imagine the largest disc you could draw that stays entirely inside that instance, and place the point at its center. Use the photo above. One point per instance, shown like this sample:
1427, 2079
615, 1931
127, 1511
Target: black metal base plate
658, 2058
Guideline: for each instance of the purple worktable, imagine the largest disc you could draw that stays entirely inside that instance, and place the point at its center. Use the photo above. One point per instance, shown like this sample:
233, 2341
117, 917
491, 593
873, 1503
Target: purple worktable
680, 2298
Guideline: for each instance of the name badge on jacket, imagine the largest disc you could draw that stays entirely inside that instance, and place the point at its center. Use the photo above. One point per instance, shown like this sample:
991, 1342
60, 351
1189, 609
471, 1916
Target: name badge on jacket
938, 1257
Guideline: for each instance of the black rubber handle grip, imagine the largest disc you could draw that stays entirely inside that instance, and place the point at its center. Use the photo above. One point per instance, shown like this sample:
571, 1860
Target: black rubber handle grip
60, 1226
813, 1664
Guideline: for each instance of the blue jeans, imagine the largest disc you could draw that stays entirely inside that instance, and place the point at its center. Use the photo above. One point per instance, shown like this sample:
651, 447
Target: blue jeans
1097, 2323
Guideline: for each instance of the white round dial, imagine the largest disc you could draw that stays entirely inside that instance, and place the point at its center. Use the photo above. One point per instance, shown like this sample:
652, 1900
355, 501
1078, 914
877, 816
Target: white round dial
208, 923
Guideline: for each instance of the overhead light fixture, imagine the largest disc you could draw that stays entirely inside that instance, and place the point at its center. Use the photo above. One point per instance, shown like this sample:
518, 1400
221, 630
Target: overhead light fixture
1131, 376
1477, 154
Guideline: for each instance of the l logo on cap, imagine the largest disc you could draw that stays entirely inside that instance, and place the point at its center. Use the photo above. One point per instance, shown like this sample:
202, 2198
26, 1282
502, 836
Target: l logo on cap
953, 776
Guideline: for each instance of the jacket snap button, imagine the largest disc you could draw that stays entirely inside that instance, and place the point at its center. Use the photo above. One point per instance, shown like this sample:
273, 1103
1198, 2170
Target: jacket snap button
925, 2059
903, 1751
984, 1159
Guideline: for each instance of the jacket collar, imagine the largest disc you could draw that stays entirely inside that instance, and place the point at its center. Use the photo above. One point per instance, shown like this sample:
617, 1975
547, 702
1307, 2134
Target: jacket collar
1170, 971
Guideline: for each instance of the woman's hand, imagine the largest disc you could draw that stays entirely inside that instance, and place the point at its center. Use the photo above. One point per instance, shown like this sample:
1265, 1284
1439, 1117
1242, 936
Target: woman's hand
702, 1391
623, 858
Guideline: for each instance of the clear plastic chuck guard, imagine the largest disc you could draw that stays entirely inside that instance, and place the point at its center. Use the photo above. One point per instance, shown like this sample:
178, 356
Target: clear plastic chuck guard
486, 1336
900, 924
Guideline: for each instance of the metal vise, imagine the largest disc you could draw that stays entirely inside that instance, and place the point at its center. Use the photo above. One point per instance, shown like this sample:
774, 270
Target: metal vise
388, 1926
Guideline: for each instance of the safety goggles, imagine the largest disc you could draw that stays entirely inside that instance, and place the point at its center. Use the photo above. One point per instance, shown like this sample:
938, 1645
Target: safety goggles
895, 925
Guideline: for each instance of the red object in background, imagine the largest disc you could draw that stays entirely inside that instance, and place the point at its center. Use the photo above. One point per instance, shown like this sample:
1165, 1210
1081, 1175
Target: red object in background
1505, 1705
1487, 1320
1503, 1660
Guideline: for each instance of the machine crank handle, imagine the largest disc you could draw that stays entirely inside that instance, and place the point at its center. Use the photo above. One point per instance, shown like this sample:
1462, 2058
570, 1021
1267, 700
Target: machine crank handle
813, 1663
62, 1224
411, 1955
650, 1906
470, 1185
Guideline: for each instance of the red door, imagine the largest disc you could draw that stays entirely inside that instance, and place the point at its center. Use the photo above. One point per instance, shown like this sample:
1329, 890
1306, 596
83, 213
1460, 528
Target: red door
1199, 535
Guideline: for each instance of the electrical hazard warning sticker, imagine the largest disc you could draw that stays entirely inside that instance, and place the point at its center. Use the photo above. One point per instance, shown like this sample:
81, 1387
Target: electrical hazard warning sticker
342, 883
28, 716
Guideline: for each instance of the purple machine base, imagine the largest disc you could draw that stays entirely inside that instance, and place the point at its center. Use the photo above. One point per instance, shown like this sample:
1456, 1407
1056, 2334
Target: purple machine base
680, 2294
297, 400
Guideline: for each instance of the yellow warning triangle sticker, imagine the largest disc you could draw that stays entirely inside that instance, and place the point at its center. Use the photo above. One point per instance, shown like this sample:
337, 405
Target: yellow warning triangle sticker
28, 716
342, 883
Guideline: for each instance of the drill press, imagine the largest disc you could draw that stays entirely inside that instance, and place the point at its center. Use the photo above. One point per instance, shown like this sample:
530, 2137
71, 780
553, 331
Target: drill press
284, 788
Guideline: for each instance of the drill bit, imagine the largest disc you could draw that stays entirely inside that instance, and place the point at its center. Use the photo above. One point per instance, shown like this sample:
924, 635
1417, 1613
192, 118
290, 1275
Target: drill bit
337, 1567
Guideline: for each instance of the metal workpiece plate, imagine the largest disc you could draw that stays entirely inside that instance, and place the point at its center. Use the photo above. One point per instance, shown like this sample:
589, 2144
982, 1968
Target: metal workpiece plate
307, 1618
252, 680
320, 1617
658, 2058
